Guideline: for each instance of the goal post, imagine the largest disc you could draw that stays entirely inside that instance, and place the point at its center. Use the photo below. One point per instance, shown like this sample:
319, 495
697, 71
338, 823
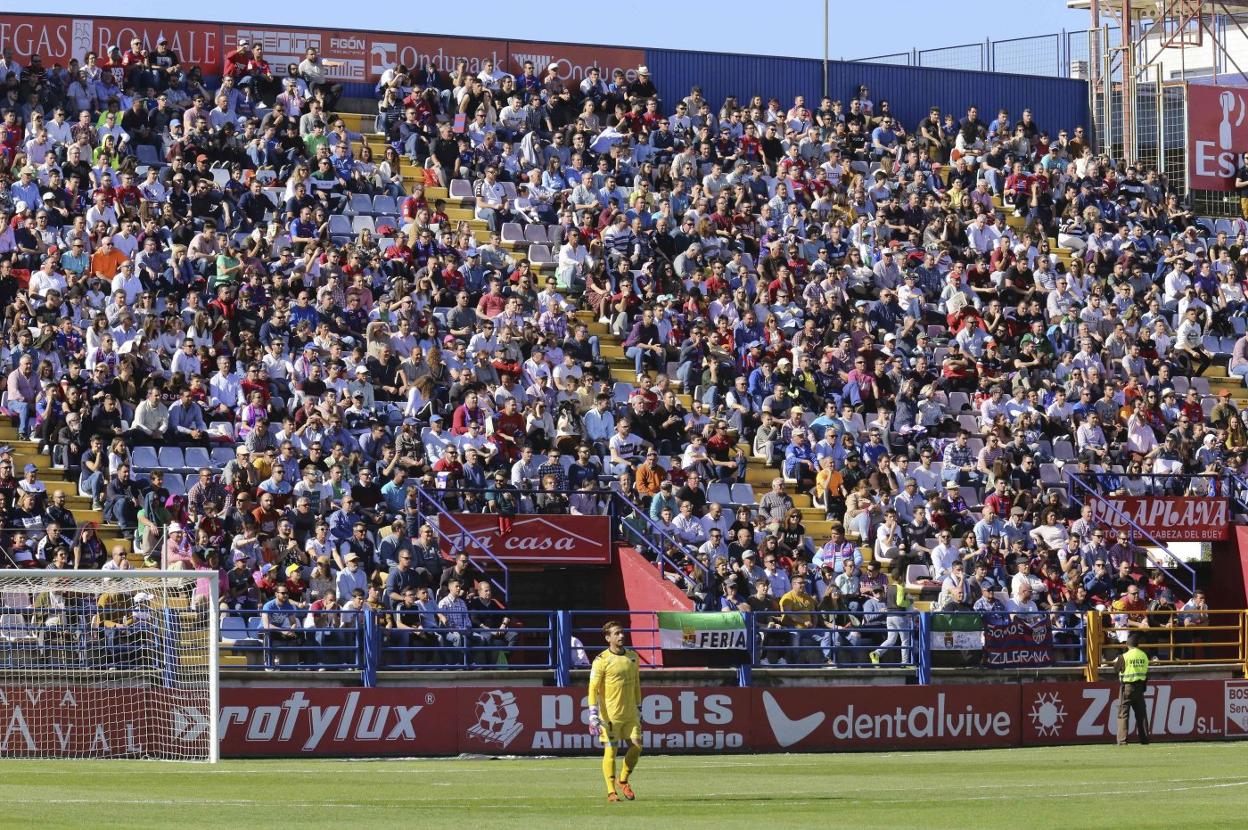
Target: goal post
109, 664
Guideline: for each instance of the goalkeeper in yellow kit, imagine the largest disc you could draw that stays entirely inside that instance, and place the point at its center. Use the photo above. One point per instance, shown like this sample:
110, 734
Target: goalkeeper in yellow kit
615, 708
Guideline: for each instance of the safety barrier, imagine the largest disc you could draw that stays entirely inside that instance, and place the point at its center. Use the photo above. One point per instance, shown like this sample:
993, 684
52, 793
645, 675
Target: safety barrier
428, 500
366, 640
492, 639
369, 639
1177, 638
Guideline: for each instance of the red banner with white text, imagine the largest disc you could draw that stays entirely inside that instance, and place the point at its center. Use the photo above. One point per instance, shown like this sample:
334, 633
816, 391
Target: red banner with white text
1217, 134
349, 56
59, 38
1179, 710
1167, 518
531, 539
530, 720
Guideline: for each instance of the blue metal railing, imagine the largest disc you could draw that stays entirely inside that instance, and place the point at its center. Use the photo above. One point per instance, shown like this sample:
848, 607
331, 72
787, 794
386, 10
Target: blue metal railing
370, 640
1075, 484
464, 540
495, 639
653, 535
328, 639
561, 641
1238, 491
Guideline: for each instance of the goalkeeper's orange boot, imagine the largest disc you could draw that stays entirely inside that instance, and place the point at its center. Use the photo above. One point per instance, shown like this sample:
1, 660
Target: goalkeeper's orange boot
627, 791
612, 798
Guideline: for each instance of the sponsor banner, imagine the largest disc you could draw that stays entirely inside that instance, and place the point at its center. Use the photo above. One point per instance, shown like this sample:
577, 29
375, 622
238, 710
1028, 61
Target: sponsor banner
1167, 518
349, 56
957, 632
334, 721
1217, 134
540, 721
693, 630
81, 720
1021, 643
1178, 710
532, 720
886, 717
57, 39
442, 53
532, 539
574, 62
344, 54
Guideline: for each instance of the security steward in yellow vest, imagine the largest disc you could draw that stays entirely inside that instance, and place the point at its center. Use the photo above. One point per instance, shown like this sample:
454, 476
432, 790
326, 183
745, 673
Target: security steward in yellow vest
1132, 666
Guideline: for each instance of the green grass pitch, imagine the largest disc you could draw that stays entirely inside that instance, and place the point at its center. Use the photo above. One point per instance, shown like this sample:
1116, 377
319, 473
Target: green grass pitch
1161, 786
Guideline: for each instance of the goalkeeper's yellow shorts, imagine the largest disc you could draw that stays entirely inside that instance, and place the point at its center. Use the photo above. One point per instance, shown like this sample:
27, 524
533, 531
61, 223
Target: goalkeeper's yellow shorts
612, 732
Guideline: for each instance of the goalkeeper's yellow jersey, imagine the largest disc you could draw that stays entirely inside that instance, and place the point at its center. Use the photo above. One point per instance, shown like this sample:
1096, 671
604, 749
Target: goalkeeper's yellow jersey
615, 685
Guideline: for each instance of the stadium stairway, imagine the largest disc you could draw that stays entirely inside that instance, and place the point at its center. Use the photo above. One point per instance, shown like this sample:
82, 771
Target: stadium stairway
27, 452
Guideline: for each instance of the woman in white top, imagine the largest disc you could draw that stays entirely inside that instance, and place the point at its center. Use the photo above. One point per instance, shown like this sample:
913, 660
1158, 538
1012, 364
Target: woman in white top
1051, 531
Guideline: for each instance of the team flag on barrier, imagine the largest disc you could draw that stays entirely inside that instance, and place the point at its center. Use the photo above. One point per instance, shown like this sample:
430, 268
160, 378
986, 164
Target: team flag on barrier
957, 632
691, 629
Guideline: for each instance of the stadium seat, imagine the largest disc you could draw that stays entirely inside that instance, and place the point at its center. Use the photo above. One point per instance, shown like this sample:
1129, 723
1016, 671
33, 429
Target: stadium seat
958, 401
1201, 385
362, 223
743, 494
1063, 450
171, 458
536, 234
144, 458
512, 233
1050, 476
914, 575
540, 255
197, 457
384, 205
175, 484
146, 154
720, 493
339, 225
460, 189
360, 203
222, 456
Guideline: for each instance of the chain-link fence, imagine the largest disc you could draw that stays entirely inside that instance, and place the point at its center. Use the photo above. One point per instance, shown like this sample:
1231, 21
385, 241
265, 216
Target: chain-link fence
971, 56
1029, 56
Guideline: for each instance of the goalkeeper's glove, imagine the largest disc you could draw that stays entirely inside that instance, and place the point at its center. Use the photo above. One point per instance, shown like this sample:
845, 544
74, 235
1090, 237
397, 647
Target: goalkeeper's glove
595, 722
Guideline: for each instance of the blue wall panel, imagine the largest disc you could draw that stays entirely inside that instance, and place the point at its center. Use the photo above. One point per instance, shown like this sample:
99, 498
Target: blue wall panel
1056, 102
744, 76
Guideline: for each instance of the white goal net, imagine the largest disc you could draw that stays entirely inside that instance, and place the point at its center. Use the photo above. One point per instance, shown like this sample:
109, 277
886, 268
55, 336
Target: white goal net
108, 664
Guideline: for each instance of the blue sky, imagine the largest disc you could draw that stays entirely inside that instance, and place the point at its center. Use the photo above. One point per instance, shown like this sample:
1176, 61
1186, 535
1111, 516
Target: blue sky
860, 29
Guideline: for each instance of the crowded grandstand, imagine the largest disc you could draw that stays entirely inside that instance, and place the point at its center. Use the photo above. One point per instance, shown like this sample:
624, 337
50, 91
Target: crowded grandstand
788, 346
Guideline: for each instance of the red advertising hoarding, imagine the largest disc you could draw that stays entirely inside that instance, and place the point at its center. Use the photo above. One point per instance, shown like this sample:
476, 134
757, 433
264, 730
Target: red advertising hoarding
531, 720
1167, 518
57, 39
574, 61
533, 540
350, 56
49, 722
259, 722
1217, 134
869, 718
1179, 710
